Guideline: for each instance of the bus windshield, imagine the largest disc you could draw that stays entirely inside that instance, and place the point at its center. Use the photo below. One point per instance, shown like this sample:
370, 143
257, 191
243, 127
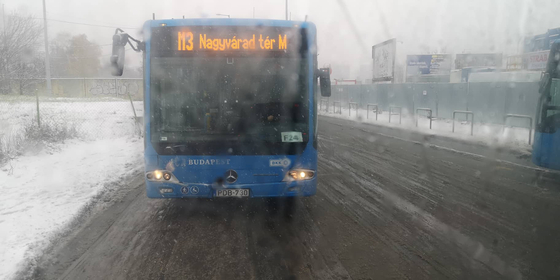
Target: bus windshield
549, 102
249, 99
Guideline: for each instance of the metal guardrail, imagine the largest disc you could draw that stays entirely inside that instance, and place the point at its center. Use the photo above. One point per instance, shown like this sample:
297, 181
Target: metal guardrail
350, 108
466, 113
507, 116
429, 116
391, 112
321, 105
376, 110
339, 107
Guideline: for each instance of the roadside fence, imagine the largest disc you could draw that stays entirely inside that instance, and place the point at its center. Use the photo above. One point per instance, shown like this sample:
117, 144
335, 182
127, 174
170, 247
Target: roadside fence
92, 107
506, 104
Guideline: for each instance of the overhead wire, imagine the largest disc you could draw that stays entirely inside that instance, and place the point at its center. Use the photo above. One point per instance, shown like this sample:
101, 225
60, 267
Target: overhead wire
103, 45
73, 22
86, 24
102, 55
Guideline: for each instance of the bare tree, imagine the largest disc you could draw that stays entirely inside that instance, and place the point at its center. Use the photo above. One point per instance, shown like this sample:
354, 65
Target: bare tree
60, 54
85, 58
19, 53
75, 56
27, 74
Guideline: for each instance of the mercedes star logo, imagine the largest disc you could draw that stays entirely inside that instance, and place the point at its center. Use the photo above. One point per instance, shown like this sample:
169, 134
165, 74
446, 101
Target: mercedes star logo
231, 176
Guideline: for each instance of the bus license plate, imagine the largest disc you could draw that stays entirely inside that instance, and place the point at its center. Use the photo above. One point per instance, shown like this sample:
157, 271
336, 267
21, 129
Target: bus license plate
232, 193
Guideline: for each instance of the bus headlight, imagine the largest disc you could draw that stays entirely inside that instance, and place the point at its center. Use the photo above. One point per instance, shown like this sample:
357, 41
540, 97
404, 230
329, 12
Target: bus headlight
299, 175
161, 175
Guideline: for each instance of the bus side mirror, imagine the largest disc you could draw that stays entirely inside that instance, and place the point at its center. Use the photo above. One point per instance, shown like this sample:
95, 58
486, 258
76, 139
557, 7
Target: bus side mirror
325, 82
117, 56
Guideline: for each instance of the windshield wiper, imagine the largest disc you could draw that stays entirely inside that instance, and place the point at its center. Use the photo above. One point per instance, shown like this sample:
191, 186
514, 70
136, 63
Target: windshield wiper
182, 148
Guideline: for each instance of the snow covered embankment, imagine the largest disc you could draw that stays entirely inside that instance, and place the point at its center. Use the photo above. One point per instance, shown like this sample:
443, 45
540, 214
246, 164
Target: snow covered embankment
42, 193
44, 190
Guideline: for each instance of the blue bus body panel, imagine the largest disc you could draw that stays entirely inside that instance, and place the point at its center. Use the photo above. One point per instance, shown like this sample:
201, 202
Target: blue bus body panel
546, 150
254, 172
280, 189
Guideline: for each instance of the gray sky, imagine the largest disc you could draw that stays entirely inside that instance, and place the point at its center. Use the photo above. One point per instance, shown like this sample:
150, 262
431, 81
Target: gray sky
421, 26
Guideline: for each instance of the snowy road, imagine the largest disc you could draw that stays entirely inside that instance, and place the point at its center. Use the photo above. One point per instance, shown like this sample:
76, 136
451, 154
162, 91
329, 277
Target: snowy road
389, 206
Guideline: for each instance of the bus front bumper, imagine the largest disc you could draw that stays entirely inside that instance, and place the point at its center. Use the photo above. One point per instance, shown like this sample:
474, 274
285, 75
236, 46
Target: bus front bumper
280, 189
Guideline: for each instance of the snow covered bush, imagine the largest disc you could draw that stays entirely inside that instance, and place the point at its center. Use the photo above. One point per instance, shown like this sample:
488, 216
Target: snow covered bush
49, 132
32, 138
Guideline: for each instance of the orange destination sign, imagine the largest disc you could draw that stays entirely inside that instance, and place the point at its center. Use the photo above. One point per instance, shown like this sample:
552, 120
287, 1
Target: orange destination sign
227, 41
188, 41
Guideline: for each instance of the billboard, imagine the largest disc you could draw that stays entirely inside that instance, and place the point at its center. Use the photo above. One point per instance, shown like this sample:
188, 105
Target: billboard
514, 63
478, 60
428, 64
536, 60
383, 55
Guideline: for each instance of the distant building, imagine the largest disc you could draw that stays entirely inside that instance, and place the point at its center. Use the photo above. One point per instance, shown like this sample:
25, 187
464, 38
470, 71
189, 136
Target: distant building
541, 42
535, 52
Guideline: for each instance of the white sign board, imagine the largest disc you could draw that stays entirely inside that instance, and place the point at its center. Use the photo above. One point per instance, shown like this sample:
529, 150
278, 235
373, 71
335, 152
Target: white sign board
292, 136
537, 60
383, 55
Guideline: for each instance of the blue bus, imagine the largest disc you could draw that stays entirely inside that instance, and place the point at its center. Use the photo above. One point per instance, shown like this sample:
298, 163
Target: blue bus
230, 106
546, 148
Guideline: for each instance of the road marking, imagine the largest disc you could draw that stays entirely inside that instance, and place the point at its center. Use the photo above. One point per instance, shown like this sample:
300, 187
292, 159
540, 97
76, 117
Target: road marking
502, 168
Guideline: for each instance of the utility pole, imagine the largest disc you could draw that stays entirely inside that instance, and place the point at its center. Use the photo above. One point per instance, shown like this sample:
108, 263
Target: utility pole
253, 12
286, 9
5, 72
47, 60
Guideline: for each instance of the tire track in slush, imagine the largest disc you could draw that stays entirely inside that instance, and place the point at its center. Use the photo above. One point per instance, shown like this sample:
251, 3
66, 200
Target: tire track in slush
472, 248
389, 237
417, 181
387, 227
496, 219
492, 208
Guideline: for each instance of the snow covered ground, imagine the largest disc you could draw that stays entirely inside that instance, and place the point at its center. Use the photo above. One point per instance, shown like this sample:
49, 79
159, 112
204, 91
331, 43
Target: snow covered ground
489, 134
44, 189
93, 118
